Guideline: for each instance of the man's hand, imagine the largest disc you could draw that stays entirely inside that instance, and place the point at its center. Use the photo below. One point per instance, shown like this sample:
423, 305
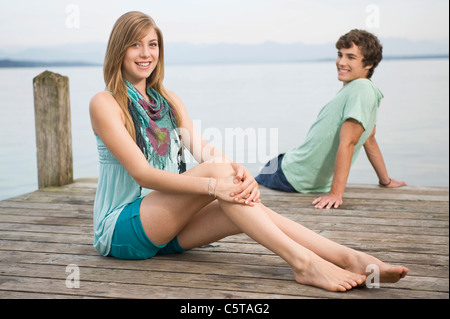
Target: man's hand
393, 184
328, 201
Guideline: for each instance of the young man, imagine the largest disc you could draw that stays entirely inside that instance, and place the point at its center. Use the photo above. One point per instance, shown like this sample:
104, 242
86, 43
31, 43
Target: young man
322, 163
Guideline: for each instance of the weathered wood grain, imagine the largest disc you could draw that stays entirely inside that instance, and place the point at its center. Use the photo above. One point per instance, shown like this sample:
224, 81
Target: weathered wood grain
41, 233
53, 129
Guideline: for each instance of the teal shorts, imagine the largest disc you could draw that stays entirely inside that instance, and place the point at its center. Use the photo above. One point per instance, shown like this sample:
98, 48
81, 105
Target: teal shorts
130, 240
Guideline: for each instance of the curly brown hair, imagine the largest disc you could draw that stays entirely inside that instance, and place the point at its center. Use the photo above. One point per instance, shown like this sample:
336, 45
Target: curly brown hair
370, 47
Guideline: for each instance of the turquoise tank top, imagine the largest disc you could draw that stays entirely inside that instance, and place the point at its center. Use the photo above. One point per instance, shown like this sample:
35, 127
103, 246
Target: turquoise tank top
116, 189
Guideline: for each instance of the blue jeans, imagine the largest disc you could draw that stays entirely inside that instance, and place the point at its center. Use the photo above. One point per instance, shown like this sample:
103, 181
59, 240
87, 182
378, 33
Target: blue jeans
275, 178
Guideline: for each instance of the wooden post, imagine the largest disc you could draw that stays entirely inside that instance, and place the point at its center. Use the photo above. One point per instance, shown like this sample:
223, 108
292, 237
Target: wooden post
53, 129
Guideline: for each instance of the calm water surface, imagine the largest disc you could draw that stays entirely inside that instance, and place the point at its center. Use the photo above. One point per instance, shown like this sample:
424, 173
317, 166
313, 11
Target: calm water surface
252, 112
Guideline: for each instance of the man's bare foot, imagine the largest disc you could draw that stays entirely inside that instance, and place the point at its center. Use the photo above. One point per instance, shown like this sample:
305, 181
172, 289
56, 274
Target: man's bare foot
388, 274
323, 274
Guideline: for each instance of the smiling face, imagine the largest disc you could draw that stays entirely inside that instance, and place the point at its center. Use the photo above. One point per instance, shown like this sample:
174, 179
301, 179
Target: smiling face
350, 65
141, 59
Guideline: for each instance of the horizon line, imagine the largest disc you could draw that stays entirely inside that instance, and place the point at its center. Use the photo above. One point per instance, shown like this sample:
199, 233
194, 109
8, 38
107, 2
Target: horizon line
11, 63
442, 40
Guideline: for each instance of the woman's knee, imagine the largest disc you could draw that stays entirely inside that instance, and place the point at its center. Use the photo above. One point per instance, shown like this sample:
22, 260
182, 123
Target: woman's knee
212, 168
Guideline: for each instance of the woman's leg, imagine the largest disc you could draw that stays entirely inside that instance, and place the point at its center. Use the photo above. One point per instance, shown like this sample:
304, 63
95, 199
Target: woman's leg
166, 215
331, 251
208, 226
308, 267
211, 224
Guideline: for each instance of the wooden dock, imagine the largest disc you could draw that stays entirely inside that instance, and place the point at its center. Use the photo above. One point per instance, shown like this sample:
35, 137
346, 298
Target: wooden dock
46, 238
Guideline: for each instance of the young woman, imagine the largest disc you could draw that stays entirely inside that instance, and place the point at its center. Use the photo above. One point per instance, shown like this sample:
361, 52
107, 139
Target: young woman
140, 128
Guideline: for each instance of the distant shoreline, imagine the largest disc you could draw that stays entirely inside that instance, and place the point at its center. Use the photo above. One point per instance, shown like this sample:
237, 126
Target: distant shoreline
8, 63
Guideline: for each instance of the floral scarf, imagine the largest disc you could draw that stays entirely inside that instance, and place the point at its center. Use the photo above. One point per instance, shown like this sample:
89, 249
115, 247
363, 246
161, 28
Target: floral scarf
154, 121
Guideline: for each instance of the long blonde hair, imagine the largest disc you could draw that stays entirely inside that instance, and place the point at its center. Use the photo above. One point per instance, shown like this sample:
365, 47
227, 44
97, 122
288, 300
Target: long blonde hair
129, 29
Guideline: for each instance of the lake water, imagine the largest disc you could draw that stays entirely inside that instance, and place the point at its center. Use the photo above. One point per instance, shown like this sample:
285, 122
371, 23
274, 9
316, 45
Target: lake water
253, 112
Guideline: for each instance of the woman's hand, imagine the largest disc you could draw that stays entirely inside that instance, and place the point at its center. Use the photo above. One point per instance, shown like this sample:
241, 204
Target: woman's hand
223, 188
247, 191
226, 189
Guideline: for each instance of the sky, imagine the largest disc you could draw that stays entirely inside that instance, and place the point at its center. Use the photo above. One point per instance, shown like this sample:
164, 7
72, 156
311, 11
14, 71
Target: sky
44, 23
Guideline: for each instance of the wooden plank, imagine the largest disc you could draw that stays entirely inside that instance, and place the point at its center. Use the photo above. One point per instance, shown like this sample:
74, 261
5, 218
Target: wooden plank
216, 283
44, 231
219, 253
401, 249
157, 265
54, 225
115, 290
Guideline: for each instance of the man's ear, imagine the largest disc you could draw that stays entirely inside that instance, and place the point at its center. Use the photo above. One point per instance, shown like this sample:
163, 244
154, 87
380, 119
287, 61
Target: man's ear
368, 67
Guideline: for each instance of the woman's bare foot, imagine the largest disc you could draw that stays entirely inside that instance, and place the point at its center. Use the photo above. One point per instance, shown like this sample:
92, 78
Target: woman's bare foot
318, 272
359, 261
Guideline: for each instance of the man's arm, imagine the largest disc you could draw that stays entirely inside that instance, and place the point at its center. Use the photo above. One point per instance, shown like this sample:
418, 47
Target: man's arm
375, 157
349, 136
